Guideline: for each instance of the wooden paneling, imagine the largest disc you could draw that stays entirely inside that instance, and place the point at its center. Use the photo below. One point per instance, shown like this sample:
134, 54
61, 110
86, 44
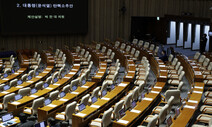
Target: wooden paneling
105, 20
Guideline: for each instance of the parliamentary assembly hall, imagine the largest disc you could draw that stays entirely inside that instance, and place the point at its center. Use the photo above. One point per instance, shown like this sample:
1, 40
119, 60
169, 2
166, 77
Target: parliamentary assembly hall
105, 63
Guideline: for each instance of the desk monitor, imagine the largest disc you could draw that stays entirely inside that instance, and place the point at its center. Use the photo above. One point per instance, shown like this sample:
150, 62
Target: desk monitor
13, 71
104, 92
74, 87
83, 82
5, 75
45, 85
133, 104
122, 112
81, 107
112, 86
169, 121
34, 90
94, 99
55, 80
18, 97
62, 94
7, 117
29, 77
47, 101
19, 82
6, 87
36, 73
41, 124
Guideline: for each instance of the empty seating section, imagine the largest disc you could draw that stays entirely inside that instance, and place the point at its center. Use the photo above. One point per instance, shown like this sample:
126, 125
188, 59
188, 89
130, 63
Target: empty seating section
107, 84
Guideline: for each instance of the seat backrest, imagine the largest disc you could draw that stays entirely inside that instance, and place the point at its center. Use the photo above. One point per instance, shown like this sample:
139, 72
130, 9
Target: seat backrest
174, 62
82, 78
137, 53
132, 51
135, 94
180, 70
86, 54
128, 101
181, 75
66, 88
35, 71
106, 118
202, 58
156, 49
170, 103
49, 79
140, 43
153, 121
175, 93
60, 54
180, 85
36, 104
89, 58
39, 85
196, 56
152, 46
109, 51
103, 49
209, 66
112, 55
117, 108
206, 62
162, 114
70, 109
98, 46
123, 45
146, 45
31, 73
135, 41
178, 65
117, 62
82, 52
57, 52
74, 82
141, 88
24, 91
170, 57
85, 99
7, 70
104, 86
54, 95
95, 92
77, 49
8, 98
117, 43
24, 77
55, 75
14, 82
128, 48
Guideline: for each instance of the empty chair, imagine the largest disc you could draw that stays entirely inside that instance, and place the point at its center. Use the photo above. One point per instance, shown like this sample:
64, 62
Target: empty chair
57, 52
135, 93
67, 115
77, 49
84, 100
39, 85
197, 55
156, 50
110, 60
6, 99
35, 105
132, 52
82, 80
82, 52
31, 73
48, 80
117, 43
157, 109
170, 58
104, 87
128, 48
98, 46
209, 121
177, 81
54, 95
162, 114
128, 101
140, 43
137, 53
66, 89
123, 45
95, 93
175, 93
201, 59
118, 106
13, 83
205, 64
109, 51
55, 77
74, 83
105, 121
174, 62
103, 49
135, 41
24, 77
152, 122
25, 91
152, 46
146, 45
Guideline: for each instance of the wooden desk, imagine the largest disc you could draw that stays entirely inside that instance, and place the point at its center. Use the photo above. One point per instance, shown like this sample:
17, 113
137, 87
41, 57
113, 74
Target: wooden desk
140, 109
15, 119
60, 104
17, 106
84, 117
100, 75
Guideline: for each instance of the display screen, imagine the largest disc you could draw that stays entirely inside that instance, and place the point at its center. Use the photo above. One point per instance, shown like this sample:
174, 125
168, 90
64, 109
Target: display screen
44, 16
